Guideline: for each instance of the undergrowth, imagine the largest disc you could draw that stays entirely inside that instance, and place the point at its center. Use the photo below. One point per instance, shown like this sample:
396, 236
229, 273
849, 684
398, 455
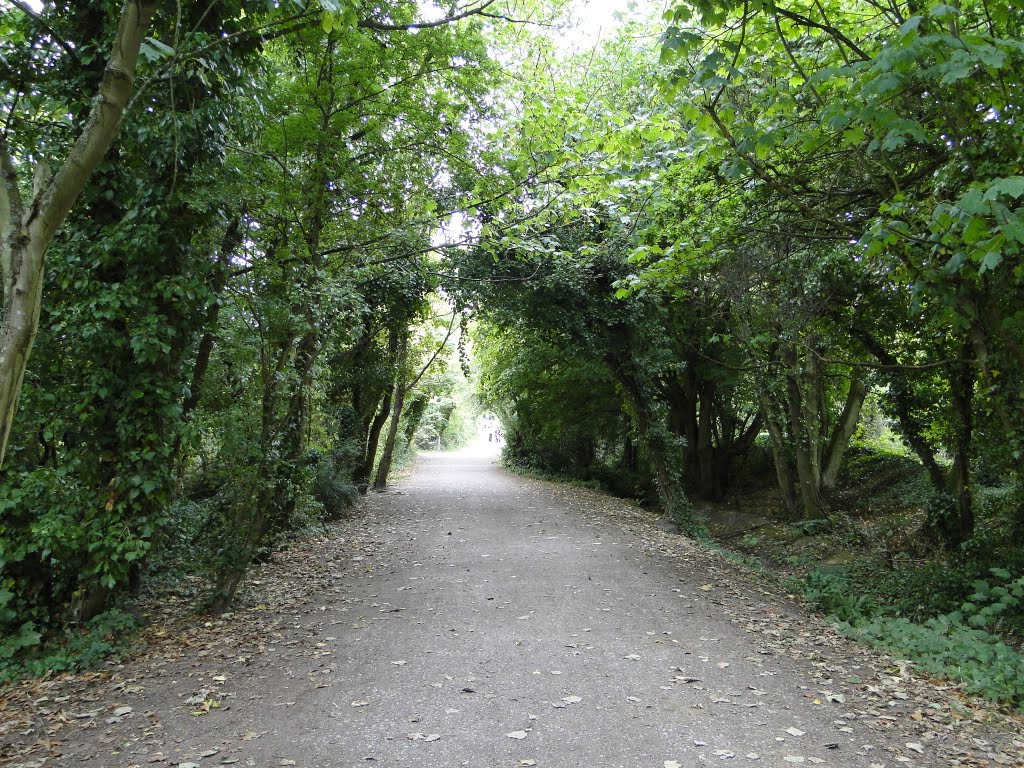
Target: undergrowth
955, 613
79, 649
965, 645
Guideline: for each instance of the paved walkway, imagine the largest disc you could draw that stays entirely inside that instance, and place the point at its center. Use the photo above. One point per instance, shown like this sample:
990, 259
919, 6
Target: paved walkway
471, 618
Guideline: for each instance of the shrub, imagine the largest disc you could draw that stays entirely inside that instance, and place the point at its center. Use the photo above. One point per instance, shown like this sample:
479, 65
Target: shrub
80, 648
962, 645
830, 591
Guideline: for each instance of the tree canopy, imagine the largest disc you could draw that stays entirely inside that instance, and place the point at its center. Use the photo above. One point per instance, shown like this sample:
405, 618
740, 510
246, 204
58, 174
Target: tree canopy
240, 241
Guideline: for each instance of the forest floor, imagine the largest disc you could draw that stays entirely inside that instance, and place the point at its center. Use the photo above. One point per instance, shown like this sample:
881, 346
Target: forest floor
471, 618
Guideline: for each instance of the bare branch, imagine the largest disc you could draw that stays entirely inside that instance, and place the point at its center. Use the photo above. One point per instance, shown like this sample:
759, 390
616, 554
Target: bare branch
831, 31
475, 10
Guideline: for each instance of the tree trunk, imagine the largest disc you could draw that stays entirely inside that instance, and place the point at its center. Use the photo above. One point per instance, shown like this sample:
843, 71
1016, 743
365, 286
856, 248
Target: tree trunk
26, 232
805, 407
662, 448
780, 457
708, 480
361, 476
960, 525
841, 434
380, 481
231, 575
902, 400
231, 240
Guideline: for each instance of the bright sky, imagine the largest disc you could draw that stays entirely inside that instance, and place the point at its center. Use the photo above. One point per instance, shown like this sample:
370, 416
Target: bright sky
597, 18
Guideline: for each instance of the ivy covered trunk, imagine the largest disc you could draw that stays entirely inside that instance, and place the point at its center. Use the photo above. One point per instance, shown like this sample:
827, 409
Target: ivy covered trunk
664, 448
26, 230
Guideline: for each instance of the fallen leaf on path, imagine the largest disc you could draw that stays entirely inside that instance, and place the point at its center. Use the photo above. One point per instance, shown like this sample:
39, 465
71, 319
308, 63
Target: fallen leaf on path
673, 764
122, 711
793, 759
915, 747
360, 703
423, 736
517, 735
794, 732
632, 657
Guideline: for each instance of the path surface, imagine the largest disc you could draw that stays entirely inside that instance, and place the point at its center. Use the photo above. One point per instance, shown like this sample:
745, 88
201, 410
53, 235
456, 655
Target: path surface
471, 618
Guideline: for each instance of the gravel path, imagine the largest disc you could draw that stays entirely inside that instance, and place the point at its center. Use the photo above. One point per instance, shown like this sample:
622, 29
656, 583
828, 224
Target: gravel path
472, 618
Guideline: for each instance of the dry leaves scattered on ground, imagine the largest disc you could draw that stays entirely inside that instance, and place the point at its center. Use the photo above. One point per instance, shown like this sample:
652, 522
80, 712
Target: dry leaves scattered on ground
38, 718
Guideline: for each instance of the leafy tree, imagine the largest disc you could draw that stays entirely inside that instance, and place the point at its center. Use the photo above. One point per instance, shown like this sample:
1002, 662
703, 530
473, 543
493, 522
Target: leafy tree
91, 472
862, 119
207, 227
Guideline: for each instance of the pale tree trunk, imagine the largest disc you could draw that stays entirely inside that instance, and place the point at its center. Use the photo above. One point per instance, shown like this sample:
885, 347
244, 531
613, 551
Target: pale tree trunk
402, 389
780, 456
841, 434
808, 448
26, 231
380, 481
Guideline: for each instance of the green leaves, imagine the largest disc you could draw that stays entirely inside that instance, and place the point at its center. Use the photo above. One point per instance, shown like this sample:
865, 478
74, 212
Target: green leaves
1010, 186
153, 50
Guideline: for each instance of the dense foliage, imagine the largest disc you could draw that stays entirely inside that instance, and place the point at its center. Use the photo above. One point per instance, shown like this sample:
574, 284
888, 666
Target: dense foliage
240, 303
805, 212
741, 236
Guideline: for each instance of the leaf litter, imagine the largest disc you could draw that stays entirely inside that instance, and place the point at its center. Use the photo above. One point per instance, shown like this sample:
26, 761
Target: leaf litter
43, 719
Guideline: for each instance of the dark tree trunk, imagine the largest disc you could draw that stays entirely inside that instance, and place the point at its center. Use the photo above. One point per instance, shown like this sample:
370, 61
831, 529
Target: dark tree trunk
662, 449
229, 243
